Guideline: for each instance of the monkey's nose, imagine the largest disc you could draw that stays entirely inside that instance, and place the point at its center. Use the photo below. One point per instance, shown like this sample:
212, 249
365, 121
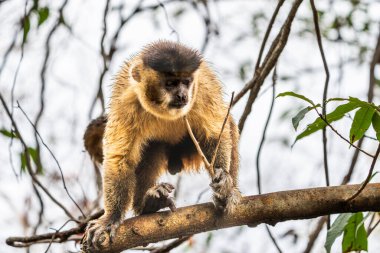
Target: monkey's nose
181, 98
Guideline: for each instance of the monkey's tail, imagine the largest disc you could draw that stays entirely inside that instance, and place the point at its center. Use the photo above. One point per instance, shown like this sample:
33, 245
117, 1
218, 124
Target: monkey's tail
93, 139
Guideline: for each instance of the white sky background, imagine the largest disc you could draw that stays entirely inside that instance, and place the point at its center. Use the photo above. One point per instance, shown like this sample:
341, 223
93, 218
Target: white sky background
72, 77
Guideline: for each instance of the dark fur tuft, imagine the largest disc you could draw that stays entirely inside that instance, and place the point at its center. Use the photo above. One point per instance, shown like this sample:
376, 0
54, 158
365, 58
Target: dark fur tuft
171, 57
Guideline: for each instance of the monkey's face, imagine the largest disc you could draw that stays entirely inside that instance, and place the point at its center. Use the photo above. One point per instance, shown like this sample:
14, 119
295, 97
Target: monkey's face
170, 95
166, 95
179, 90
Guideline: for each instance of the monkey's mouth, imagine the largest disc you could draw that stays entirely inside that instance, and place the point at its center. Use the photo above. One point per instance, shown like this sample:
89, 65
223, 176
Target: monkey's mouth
177, 104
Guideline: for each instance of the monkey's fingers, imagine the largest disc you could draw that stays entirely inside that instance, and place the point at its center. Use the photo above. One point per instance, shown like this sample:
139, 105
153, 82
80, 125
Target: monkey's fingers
171, 204
96, 235
168, 187
218, 175
111, 228
165, 189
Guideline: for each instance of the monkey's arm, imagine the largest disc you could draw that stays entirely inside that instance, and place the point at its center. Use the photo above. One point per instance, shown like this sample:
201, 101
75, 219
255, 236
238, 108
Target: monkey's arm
121, 155
224, 173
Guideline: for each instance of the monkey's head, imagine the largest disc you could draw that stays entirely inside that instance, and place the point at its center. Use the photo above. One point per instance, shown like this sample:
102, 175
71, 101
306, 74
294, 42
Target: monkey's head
165, 76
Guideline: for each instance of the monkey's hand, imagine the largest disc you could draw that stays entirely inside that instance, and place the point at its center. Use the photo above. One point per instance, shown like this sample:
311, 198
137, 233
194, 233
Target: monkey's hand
157, 197
99, 233
226, 195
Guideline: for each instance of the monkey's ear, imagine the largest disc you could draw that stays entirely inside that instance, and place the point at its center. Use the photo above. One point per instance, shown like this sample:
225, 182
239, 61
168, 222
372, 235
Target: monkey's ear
136, 73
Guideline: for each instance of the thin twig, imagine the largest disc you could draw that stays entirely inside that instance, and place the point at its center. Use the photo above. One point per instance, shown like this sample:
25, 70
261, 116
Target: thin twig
267, 33
271, 59
274, 78
56, 232
28, 163
368, 176
173, 30
273, 239
172, 245
355, 156
314, 235
54, 158
221, 131
208, 165
325, 89
324, 105
249, 85
196, 143
41, 212
370, 230
99, 94
59, 237
341, 136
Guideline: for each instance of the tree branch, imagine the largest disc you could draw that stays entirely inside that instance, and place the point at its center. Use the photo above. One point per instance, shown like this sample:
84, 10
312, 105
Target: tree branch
253, 210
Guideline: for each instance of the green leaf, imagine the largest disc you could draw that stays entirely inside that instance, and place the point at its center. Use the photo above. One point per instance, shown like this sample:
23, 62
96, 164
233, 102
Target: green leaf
376, 124
34, 155
335, 115
7, 133
26, 25
23, 162
355, 236
43, 14
209, 239
360, 124
301, 114
336, 99
293, 94
363, 103
336, 230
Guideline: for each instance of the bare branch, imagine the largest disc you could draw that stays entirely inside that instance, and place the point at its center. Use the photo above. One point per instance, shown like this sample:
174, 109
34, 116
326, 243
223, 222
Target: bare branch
196, 143
253, 210
28, 163
54, 158
369, 176
271, 59
221, 131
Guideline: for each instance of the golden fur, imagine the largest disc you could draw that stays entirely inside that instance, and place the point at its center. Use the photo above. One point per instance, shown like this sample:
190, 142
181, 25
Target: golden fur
139, 132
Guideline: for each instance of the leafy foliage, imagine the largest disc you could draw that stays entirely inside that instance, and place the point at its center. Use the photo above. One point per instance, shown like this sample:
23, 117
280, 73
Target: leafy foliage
43, 14
7, 133
33, 153
361, 123
336, 230
355, 235
367, 114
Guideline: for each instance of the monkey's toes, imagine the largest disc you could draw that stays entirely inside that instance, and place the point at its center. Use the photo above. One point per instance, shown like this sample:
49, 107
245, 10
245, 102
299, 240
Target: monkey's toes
157, 198
227, 204
99, 234
221, 183
226, 195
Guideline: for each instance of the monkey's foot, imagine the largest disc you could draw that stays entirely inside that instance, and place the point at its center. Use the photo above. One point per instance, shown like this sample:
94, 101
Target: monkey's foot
99, 233
157, 198
226, 196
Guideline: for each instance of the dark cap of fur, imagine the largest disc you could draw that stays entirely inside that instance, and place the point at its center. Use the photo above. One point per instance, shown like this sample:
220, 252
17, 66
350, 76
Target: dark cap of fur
171, 57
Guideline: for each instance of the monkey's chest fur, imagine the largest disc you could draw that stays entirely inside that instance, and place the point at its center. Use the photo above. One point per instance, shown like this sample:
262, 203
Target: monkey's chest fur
172, 145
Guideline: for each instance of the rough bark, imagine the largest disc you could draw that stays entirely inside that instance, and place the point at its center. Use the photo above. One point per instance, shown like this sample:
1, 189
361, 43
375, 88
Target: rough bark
253, 210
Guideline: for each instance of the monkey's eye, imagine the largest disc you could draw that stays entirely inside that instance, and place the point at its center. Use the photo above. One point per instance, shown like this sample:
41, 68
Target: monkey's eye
172, 83
186, 82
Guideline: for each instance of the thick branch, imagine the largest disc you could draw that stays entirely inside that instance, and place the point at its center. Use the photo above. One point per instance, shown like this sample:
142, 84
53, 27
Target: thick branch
253, 210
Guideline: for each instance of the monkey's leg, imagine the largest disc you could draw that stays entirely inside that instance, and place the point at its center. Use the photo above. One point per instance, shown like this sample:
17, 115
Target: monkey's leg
119, 185
149, 196
224, 177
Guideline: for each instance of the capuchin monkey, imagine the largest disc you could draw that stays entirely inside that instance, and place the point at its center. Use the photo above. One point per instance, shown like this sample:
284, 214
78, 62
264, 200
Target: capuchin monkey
144, 135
